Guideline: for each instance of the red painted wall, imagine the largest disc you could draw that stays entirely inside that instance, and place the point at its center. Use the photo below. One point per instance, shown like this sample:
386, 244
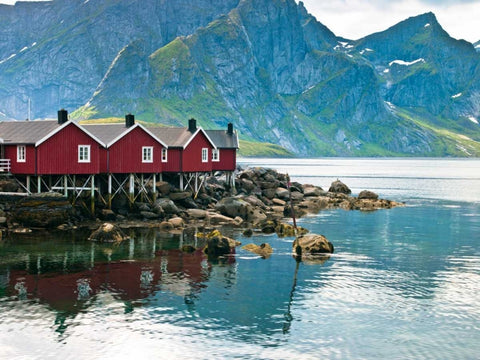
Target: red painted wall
228, 160
103, 156
192, 155
59, 154
125, 156
174, 160
27, 167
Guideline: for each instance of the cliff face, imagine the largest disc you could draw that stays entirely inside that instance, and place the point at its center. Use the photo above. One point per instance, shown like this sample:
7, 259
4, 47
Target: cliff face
57, 53
266, 65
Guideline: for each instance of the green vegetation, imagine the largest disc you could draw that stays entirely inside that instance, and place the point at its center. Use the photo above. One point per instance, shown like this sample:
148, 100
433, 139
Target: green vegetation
257, 149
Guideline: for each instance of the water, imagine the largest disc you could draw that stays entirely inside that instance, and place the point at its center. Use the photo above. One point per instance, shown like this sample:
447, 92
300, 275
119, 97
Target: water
402, 284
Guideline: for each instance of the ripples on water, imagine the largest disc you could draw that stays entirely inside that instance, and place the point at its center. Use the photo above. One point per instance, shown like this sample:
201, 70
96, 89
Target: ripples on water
402, 284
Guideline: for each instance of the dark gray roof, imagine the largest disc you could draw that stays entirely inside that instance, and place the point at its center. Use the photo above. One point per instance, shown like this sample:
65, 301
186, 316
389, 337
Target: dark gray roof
105, 132
172, 136
222, 139
26, 132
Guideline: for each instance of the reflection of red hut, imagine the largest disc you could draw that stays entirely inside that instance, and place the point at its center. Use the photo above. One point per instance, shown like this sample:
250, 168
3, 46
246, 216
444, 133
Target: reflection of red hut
127, 280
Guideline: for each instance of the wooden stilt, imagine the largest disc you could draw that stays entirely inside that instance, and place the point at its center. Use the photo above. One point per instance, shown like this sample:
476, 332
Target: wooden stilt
28, 184
154, 187
131, 190
110, 191
65, 185
92, 196
181, 181
39, 184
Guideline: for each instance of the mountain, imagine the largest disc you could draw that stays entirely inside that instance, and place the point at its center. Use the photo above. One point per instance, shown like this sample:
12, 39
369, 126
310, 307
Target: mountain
266, 65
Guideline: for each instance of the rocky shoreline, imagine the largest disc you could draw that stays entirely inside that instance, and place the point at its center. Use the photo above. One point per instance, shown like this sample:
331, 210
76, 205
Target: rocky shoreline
260, 201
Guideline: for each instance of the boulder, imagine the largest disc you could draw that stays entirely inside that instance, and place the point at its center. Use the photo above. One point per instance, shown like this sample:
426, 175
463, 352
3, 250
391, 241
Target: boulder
216, 219
107, 215
297, 196
177, 222
197, 213
269, 193
163, 187
233, 207
108, 232
264, 250
176, 196
166, 206
278, 202
339, 187
149, 215
312, 244
282, 193
8, 186
43, 210
366, 194
217, 246
309, 191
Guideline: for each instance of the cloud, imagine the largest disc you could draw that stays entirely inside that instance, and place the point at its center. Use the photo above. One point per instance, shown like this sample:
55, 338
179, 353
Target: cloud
354, 19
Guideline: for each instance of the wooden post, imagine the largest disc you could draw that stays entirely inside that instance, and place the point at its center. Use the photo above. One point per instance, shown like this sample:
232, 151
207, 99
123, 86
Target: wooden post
196, 182
154, 187
132, 189
28, 185
142, 187
92, 196
65, 185
160, 177
110, 191
181, 181
39, 184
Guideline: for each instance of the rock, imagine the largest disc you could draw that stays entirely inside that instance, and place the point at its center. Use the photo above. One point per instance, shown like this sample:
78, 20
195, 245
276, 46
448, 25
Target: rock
176, 196
283, 229
312, 244
166, 226
3, 220
166, 206
238, 220
149, 215
8, 186
107, 215
43, 210
297, 196
309, 191
177, 222
278, 202
246, 184
188, 203
216, 219
248, 232
234, 207
217, 246
366, 194
253, 200
339, 187
282, 193
269, 193
197, 213
264, 250
163, 187
108, 232
142, 206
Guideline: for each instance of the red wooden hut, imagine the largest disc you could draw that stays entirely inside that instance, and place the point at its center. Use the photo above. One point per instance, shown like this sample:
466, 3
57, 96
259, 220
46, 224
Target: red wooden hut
224, 157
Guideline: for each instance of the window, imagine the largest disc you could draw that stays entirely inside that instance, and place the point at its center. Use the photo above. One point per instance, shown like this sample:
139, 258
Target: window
204, 155
164, 155
84, 153
21, 153
147, 154
215, 155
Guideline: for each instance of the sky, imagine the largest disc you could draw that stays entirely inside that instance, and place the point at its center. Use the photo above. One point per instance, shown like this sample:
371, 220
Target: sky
354, 19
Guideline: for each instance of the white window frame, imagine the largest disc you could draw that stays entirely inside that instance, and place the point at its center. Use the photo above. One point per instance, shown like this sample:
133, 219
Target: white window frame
83, 153
164, 155
204, 155
21, 153
215, 155
147, 154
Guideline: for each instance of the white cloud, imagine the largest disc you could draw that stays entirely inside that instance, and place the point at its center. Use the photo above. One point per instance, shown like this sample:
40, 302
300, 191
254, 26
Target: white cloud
354, 19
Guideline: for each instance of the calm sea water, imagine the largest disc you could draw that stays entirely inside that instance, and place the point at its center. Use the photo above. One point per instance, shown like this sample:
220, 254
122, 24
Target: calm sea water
402, 284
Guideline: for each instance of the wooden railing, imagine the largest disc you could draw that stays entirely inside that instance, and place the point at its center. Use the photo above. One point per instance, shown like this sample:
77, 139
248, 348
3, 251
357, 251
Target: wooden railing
4, 165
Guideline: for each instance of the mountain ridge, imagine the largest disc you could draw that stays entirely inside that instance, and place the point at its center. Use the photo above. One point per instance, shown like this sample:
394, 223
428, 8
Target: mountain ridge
283, 77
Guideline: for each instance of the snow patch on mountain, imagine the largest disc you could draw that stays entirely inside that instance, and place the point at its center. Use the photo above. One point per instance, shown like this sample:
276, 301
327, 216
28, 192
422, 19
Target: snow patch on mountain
405, 63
